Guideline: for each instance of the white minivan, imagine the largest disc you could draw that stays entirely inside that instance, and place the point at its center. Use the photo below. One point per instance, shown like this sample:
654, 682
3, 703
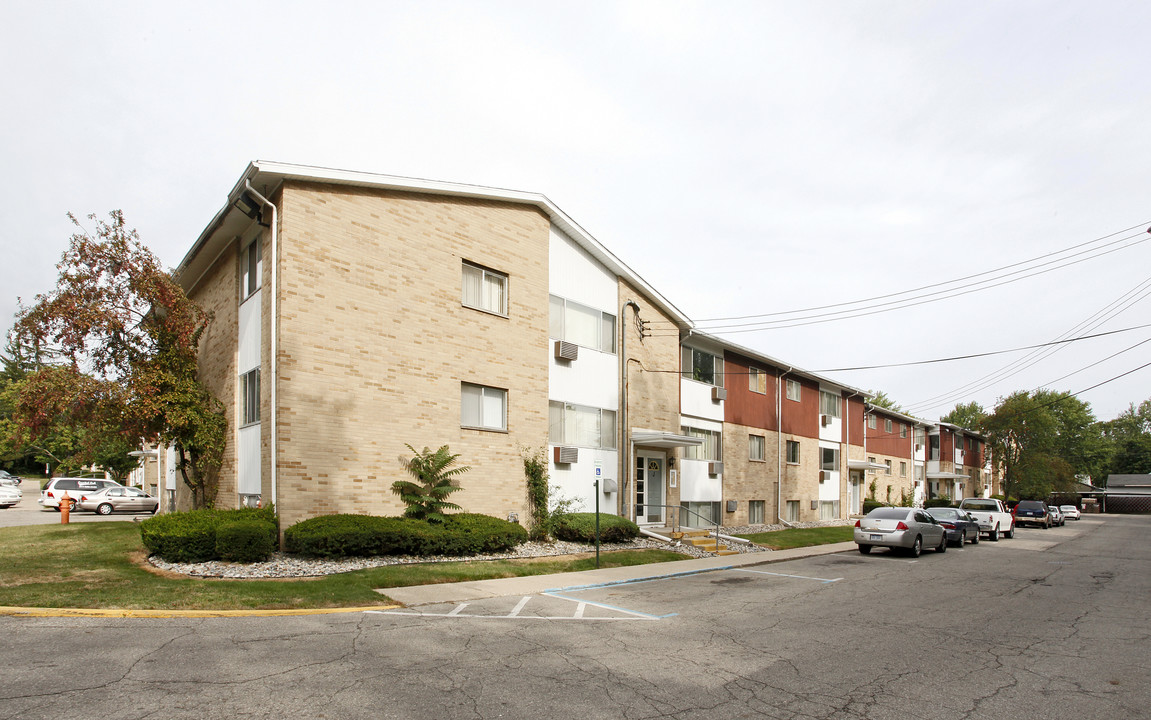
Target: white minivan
56, 487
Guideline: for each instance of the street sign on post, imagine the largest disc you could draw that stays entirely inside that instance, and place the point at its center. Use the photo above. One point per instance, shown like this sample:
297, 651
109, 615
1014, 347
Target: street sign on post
596, 485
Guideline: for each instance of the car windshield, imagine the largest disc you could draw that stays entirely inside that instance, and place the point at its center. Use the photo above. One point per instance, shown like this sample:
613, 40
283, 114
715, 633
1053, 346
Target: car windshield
888, 513
944, 512
1032, 505
980, 504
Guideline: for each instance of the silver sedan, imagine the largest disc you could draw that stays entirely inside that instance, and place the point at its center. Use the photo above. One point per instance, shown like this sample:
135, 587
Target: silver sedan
118, 499
909, 529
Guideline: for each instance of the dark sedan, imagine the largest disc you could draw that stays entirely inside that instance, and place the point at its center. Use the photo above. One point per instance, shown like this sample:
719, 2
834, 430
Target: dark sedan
1033, 512
960, 526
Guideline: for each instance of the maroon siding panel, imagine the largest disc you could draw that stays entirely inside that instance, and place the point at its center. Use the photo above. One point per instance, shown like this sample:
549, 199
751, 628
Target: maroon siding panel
743, 406
802, 418
854, 423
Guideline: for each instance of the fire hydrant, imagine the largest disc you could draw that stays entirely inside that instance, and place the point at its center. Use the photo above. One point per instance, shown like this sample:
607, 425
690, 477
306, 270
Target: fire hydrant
65, 507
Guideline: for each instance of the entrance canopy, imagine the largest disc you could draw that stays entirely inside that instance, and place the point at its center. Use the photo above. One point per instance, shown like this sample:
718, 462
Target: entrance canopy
864, 465
947, 476
663, 440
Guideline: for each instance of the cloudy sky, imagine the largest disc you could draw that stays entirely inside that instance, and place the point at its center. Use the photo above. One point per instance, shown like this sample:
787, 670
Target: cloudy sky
745, 158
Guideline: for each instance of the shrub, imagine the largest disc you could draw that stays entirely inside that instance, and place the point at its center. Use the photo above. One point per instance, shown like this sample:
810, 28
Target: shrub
191, 536
427, 497
246, 541
869, 505
938, 502
580, 527
366, 535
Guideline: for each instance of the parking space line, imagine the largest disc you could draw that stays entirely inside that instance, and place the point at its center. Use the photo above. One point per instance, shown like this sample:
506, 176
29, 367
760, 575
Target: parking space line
798, 577
458, 609
638, 614
516, 610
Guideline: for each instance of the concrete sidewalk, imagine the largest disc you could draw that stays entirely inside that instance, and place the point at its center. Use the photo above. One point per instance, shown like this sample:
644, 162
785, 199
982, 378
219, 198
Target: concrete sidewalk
535, 584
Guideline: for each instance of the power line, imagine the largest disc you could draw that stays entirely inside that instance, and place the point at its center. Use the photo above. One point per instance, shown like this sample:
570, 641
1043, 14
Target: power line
941, 284
985, 354
821, 318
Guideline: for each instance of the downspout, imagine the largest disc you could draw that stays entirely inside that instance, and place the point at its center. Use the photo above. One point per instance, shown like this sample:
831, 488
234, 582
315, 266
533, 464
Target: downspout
273, 331
847, 412
624, 460
779, 447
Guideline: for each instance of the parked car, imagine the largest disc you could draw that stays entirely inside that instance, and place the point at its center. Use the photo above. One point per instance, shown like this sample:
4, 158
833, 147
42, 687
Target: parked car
910, 529
992, 515
1070, 512
9, 496
958, 524
75, 487
1033, 512
118, 499
1056, 516
5, 475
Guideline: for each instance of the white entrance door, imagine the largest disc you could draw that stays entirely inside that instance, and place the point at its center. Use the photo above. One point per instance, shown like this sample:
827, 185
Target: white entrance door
649, 489
856, 492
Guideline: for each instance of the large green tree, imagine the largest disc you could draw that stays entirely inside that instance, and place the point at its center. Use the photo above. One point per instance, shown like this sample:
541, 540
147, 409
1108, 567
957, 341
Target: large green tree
1029, 438
1129, 439
123, 341
966, 415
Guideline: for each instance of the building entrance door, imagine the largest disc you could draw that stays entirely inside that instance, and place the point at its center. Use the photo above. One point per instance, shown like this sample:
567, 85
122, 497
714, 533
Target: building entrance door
649, 489
856, 492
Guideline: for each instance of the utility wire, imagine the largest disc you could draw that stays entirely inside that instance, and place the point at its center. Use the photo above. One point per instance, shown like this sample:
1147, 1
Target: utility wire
939, 284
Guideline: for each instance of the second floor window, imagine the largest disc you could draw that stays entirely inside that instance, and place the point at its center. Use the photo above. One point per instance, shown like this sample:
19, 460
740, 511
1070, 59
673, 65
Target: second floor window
702, 366
251, 269
757, 381
794, 390
712, 448
828, 458
828, 404
571, 322
485, 289
250, 397
933, 450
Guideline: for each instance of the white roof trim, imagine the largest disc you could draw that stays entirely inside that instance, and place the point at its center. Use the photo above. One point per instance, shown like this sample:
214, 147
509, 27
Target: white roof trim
659, 439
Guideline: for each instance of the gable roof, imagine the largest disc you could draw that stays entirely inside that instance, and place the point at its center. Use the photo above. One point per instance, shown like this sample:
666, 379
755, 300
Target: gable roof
229, 222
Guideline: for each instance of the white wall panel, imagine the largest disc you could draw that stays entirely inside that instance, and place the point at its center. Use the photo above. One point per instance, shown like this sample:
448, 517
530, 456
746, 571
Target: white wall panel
695, 485
576, 480
248, 353
576, 275
248, 460
592, 379
695, 400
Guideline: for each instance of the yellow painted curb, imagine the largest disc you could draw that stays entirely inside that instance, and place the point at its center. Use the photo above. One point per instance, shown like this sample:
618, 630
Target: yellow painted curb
97, 612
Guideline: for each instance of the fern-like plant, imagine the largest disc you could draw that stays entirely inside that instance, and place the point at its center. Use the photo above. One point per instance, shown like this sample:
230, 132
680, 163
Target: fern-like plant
427, 497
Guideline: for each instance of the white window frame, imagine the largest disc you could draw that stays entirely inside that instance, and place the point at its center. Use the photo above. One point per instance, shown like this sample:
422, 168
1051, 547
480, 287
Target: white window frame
794, 390
251, 281
250, 397
834, 464
887, 425
870, 461
712, 448
688, 358
562, 432
829, 403
486, 395
757, 380
902, 469
902, 430
888, 464
757, 442
558, 324
872, 423
756, 512
792, 511
482, 303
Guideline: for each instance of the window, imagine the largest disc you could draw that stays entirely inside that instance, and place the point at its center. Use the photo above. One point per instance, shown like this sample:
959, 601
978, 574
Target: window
918, 473
959, 443
794, 392
757, 381
902, 430
757, 443
755, 512
571, 322
699, 514
251, 269
702, 366
871, 422
793, 452
581, 425
828, 404
888, 464
886, 425
250, 397
482, 407
793, 511
711, 449
485, 289
933, 452
902, 469
871, 460
919, 436
828, 458
828, 509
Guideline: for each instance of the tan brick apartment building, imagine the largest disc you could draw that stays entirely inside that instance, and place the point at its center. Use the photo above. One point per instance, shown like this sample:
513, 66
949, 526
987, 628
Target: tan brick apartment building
415, 312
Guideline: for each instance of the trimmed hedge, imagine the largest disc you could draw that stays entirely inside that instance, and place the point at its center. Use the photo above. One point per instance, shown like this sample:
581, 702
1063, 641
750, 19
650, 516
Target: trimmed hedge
191, 536
246, 541
869, 505
938, 502
368, 535
580, 527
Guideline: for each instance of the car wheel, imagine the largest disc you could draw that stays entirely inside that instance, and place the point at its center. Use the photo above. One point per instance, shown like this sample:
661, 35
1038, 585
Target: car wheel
154, 509
993, 536
942, 546
975, 538
865, 549
104, 509
1010, 533
71, 506
917, 548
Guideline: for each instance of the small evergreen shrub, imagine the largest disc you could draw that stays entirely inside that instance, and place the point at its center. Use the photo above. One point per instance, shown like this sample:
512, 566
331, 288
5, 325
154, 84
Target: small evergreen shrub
191, 536
938, 502
580, 527
246, 541
869, 505
367, 535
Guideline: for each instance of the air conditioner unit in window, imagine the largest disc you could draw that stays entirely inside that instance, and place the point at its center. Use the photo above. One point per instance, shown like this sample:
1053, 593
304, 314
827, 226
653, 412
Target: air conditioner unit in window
566, 350
823, 475
715, 467
918, 447
718, 393
566, 455
824, 420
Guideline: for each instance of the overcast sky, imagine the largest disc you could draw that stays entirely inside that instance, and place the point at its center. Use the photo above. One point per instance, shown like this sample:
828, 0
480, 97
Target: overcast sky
744, 158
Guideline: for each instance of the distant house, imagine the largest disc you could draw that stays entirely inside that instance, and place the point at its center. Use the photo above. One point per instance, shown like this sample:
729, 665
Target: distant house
1128, 494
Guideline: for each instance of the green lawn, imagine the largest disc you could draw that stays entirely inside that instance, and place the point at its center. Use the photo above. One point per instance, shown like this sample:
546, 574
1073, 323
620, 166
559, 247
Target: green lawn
801, 537
99, 565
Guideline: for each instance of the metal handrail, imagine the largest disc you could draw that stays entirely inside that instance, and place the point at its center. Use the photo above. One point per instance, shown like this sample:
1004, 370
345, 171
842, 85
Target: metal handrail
675, 523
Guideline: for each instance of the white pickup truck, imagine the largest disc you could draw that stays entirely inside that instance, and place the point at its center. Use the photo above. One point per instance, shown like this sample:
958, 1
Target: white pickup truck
992, 515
